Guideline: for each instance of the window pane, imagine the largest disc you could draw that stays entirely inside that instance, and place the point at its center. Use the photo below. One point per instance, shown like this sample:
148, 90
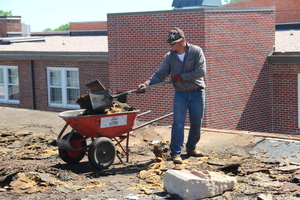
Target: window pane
72, 79
12, 75
73, 95
1, 76
55, 78
2, 91
56, 95
13, 92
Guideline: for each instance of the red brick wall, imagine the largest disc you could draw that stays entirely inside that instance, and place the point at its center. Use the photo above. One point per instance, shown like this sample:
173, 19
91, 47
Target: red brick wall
3, 28
285, 97
287, 11
14, 25
83, 26
88, 71
9, 24
137, 45
235, 44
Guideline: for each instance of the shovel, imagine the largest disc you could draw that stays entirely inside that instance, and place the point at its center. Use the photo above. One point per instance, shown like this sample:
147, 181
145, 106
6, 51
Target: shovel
95, 85
102, 99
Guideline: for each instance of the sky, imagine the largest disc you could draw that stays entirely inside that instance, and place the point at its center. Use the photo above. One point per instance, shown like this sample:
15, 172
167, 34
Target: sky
54, 13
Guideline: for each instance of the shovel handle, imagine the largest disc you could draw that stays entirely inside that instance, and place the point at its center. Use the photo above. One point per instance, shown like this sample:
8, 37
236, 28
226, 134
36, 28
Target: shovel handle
155, 85
138, 90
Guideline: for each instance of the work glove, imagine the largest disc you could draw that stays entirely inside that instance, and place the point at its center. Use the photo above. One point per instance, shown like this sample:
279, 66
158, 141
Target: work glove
176, 78
142, 87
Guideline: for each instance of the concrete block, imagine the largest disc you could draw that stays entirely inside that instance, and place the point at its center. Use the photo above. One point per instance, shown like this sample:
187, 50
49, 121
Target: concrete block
191, 185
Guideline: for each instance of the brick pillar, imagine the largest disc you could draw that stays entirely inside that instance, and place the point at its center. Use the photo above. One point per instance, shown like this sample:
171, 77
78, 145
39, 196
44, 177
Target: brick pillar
10, 25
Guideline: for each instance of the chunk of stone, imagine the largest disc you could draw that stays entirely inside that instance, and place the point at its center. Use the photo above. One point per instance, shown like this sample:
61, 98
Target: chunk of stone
191, 185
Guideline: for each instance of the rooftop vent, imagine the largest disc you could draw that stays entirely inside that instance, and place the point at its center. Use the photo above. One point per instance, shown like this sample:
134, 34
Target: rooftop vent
26, 30
181, 4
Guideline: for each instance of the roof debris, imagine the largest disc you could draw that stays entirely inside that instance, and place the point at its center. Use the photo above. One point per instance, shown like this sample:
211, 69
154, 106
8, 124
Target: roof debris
31, 168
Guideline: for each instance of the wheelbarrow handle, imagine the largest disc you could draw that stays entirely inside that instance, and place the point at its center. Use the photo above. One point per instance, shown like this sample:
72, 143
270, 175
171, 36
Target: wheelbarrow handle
138, 90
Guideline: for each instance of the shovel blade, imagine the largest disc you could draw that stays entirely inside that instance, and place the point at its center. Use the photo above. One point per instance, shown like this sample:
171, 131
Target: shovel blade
95, 85
101, 99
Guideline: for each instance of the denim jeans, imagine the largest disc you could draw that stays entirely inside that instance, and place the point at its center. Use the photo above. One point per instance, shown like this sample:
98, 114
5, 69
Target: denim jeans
183, 101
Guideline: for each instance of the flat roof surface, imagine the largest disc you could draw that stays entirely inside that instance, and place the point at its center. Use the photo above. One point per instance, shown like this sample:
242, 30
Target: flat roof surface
59, 44
287, 41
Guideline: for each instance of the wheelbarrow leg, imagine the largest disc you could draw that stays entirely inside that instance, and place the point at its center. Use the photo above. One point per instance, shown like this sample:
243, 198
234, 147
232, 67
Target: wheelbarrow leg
126, 150
62, 131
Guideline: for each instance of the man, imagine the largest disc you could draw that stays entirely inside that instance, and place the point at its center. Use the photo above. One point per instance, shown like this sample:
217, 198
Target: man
187, 66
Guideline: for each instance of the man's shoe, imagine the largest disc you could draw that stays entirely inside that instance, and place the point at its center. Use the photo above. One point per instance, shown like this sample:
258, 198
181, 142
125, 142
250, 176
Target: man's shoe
177, 159
195, 153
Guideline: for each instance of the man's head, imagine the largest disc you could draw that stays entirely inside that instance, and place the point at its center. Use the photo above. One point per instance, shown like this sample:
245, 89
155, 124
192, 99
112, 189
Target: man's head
175, 35
176, 40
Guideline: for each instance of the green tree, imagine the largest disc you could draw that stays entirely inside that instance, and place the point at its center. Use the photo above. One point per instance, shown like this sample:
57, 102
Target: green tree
5, 13
47, 29
64, 27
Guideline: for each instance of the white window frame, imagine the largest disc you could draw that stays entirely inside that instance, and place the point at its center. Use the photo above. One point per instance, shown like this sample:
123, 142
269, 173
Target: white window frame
6, 84
64, 87
298, 101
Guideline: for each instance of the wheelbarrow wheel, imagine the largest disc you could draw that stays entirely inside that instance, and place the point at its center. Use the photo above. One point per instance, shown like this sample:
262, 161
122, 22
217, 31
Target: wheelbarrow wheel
102, 153
73, 157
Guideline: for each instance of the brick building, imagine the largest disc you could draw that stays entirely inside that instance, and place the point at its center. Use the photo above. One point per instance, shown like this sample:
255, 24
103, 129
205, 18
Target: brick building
283, 63
244, 74
50, 72
83, 26
286, 11
235, 42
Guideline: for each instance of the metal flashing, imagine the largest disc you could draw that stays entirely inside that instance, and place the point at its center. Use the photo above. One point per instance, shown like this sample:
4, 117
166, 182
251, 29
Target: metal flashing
25, 39
211, 9
51, 33
284, 58
59, 56
10, 17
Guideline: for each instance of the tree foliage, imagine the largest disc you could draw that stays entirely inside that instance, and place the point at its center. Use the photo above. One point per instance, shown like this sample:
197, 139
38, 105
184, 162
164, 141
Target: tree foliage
5, 13
64, 27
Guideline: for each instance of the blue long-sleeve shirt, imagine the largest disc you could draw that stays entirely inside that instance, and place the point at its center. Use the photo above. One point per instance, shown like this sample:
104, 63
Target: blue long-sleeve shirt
192, 69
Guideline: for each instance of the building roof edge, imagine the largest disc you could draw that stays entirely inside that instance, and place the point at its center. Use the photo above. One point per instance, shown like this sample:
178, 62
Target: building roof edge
284, 58
61, 56
212, 9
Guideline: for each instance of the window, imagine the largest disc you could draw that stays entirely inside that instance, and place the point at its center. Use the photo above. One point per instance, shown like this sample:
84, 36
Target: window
9, 84
63, 87
298, 101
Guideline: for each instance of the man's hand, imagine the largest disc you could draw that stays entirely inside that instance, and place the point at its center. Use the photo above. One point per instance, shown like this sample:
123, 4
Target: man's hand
142, 87
176, 78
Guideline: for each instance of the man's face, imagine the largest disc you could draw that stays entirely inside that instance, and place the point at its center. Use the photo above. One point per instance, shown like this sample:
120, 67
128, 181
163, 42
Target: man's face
175, 47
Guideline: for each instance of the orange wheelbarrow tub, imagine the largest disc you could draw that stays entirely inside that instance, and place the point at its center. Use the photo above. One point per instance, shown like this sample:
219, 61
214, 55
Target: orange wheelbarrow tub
106, 131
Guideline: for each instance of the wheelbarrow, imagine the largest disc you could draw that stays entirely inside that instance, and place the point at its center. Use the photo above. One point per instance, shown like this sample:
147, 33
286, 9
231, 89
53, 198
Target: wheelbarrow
106, 132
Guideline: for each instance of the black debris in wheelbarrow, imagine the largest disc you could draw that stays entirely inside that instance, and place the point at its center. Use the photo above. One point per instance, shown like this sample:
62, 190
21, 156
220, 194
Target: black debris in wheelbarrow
85, 103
